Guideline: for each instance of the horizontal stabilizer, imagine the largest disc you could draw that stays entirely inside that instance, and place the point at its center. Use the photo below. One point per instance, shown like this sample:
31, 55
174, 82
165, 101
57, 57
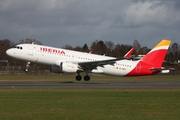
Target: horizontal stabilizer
162, 69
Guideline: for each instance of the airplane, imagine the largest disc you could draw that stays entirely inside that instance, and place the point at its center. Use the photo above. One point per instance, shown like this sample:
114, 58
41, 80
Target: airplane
126, 56
63, 60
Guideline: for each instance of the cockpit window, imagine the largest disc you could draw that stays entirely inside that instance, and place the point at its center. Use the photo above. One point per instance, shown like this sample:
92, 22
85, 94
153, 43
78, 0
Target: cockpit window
18, 47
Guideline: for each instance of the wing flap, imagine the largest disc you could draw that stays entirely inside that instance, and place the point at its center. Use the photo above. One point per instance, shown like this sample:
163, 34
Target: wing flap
89, 65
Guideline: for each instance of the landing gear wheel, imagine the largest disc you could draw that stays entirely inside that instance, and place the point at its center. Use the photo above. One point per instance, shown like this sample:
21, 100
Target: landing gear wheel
86, 78
78, 78
26, 70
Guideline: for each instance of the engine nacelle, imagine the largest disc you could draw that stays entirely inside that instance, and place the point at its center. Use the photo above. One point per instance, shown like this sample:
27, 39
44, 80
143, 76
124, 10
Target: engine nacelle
97, 70
64, 67
55, 69
68, 67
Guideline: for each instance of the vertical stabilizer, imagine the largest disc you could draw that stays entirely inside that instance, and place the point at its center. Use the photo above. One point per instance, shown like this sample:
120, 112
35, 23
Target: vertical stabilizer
157, 54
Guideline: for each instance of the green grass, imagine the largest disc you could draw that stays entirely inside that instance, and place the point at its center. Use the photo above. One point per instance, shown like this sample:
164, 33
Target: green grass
89, 104
97, 104
94, 78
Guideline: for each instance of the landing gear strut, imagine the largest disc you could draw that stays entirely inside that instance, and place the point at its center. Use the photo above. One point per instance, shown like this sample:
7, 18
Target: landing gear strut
86, 77
78, 77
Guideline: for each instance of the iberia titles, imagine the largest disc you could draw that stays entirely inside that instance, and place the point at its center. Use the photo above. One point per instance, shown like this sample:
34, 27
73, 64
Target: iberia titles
51, 50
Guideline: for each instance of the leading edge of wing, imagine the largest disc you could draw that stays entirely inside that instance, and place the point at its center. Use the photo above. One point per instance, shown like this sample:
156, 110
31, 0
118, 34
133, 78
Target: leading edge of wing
93, 64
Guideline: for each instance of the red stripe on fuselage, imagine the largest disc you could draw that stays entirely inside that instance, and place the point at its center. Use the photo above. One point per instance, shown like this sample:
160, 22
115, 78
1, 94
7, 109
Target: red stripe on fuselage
142, 69
153, 59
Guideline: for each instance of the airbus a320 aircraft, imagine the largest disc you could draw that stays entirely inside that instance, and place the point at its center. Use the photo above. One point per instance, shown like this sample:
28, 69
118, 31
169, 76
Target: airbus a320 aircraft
62, 60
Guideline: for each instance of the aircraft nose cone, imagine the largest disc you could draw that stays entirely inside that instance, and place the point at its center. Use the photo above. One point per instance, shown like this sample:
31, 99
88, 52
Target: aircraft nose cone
9, 52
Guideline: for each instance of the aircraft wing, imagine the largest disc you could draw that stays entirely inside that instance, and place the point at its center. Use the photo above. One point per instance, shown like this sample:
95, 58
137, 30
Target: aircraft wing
90, 65
93, 64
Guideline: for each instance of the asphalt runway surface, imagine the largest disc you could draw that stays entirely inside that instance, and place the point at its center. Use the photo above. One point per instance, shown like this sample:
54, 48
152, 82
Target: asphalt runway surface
74, 84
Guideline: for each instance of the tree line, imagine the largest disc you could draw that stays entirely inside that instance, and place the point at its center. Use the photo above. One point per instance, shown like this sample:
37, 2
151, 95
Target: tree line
119, 50
100, 47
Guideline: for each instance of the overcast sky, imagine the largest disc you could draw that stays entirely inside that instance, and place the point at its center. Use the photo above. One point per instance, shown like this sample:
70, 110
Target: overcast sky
76, 22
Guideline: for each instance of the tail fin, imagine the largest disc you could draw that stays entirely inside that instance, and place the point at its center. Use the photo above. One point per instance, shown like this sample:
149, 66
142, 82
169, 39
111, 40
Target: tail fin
128, 54
157, 54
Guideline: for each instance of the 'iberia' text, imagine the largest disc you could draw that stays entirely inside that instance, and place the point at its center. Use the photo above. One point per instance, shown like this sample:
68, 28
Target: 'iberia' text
52, 50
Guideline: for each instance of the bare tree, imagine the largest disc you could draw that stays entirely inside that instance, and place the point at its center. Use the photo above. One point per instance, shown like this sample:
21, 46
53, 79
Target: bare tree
110, 47
179, 52
174, 49
121, 50
5, 44
99, 47
137, 46
144, 50
77, 48
29, 40
69, 47
85, 48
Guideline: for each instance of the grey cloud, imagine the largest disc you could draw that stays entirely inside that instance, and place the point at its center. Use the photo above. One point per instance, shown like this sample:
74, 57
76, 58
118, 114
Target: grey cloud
76, 22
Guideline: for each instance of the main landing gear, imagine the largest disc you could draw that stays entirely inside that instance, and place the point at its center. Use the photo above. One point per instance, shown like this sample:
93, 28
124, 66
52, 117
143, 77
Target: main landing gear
86, 77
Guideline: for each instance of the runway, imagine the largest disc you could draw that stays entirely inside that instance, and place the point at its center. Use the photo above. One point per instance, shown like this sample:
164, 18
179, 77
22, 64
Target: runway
71, 84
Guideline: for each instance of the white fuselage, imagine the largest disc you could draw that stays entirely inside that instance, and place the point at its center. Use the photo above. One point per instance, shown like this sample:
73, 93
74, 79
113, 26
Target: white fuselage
62, 60
52, 56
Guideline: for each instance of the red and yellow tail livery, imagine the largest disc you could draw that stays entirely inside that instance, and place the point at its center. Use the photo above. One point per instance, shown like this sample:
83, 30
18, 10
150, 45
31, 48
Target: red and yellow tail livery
152, 62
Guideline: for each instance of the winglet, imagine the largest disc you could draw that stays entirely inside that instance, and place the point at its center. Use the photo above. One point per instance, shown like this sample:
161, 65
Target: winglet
128, 54
90, 52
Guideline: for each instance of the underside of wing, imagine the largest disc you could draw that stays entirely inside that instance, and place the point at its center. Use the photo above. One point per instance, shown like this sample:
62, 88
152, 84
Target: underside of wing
90, 65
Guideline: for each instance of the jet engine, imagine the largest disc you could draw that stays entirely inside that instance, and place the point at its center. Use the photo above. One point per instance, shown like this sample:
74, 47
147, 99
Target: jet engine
55, 69
64, 67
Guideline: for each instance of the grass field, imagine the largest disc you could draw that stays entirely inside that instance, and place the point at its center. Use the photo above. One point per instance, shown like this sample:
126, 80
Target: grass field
89, 104
97, 104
